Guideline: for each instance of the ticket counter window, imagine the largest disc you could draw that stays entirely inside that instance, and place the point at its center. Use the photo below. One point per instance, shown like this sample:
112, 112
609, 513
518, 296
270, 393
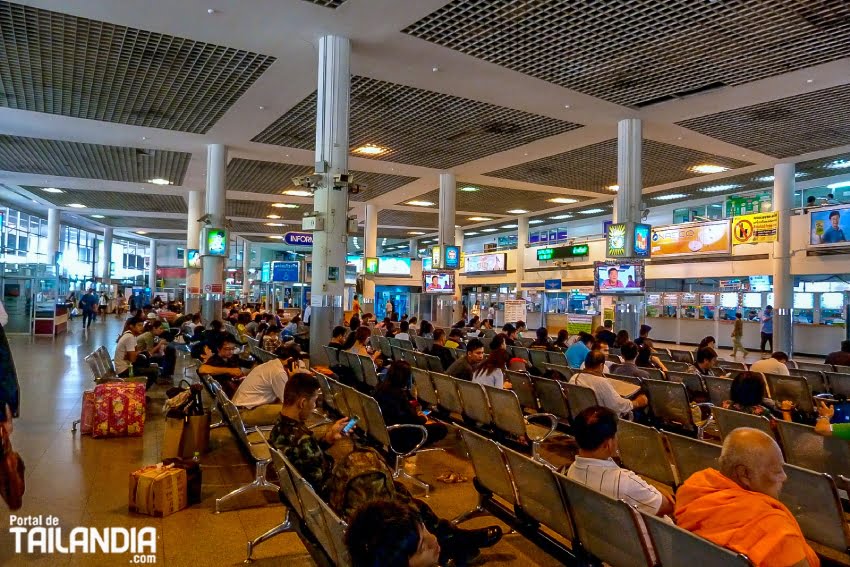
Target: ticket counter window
708, 306
804, 308
653, 304
688, 309
832, 309
728, 306
671, 305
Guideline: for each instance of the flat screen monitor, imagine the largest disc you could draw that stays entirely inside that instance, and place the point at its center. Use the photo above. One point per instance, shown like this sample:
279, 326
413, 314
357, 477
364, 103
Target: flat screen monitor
438, 282
619, 277
830, 226
193, 258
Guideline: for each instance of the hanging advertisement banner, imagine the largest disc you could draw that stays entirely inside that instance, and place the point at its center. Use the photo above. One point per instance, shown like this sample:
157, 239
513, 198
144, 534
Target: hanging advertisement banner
713, 237
755, 228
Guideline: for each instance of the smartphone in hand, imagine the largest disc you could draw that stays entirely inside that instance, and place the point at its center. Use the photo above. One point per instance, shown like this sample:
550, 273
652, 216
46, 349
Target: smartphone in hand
350, 425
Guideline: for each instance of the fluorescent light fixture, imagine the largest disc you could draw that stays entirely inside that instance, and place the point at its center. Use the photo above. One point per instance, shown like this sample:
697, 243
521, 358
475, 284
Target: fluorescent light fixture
562, 200
298, 193
52, 190
535, 221
517, 212
415, 233
556, 217
383, 242
98, 217
473, 233
141, 232
670, 197
708, 168
770, 178
272, 216
159, 181
76, 206
719, 188
488, 230
420, 203
591, 211
469, 189
276, 236
838, 164
284, 206
838, 185
370, 150
614, 187
274, 224
480, 219
509, 226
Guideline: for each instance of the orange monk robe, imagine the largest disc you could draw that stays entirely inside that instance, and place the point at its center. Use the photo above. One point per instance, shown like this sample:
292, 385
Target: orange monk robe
716, 508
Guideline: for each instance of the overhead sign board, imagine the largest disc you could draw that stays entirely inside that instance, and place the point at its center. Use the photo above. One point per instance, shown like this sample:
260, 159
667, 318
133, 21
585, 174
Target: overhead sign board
553, 285
436, 257
688, 239
452, 260
616, 240
574, 251
628, 240
640, 242
755, 228
482, 263
298, 238
829, 226
285, 271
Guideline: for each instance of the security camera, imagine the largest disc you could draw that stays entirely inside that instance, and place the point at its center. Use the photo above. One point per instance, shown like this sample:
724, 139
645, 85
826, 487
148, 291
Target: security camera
343, 178
206, 219
308, 181
355, 188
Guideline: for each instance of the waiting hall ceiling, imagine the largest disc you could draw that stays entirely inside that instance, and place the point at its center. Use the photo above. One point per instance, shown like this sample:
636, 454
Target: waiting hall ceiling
116, 102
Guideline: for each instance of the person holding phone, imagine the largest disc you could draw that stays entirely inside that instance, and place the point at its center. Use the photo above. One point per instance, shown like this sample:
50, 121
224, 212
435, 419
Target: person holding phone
261, 392
824, 427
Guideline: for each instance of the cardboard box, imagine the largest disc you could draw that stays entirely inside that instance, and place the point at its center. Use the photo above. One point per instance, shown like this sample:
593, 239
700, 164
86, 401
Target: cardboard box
158, 490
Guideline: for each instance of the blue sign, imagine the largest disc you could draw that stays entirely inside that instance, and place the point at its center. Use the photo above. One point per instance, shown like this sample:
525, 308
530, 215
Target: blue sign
642, 247
265, 273
605, 226
452, 261
285, 271
552, 285
298, 238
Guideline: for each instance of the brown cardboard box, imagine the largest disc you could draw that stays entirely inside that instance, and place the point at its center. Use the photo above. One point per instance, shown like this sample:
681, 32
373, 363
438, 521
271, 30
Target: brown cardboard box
158, 491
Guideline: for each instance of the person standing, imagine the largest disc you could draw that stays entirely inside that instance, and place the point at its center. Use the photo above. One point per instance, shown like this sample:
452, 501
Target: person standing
389, 307
738, 335
88, 303
767, 330
355, 306
103, 305
10, 392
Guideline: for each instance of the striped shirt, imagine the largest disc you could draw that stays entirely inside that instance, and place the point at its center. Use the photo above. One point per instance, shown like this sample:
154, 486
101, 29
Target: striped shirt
609, 479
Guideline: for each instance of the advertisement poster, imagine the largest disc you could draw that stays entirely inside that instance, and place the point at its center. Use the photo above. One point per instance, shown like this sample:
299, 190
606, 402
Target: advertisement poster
641, 243
216, 242
752, 229
452, 258
485, 263
616, 240
711, 237
515, 310
829, 226
372, 265
193, 258
389, 266
436, 260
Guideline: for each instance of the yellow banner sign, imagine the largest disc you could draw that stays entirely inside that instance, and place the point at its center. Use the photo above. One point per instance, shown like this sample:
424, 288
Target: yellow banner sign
755, 228
691, 238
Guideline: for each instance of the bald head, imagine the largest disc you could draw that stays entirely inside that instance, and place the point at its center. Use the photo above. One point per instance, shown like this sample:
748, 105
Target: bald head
753, 460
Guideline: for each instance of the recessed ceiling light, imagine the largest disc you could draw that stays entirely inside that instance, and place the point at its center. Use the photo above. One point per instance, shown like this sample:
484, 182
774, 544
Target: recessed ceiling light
52, 190
517, 212
159, 181
284, 206
469, 189
708, 168
561, 217
562, 200
566, 106
473, 233
76, 206
479, 219
591, 211
298, 193
613, 187
98, 217
719, 188
370, 150
276, 236
810, 81
272, 216
261, 107
415, 233
535, 221
839, 164
141, 232
509, 226
488, 230
420, 203
670, 197
274, 224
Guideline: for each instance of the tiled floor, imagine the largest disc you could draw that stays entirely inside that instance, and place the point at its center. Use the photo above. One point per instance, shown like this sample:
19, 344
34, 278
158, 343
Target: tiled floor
84, 481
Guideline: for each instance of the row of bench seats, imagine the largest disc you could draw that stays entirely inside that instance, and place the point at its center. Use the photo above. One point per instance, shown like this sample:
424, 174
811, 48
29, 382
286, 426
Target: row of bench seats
811, 491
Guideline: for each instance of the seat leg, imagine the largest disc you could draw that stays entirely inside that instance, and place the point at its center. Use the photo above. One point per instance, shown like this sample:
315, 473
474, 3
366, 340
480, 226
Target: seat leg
398, 473
283, 527
476, 512
258, 484
74, 425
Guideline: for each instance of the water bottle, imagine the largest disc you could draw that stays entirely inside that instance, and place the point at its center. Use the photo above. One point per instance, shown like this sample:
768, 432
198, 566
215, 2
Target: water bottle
131, 371
196, 458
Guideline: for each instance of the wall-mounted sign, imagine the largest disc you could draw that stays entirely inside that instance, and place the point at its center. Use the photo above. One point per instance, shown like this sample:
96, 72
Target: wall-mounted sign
640, 244
574, 251
214, 242
372, 265
830, 226
298, 238
390, 266
616, 240
752, 229
436, 257
713, 237
193, 258
285, 271
452, 258
553, 285
480, 263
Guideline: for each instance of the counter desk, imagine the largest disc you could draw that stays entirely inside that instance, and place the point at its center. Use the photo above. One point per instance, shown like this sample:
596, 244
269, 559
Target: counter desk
50, 319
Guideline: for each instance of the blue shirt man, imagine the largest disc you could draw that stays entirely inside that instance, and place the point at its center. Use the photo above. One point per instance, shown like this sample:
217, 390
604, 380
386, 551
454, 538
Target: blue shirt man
767, 321
578, 351
834, 233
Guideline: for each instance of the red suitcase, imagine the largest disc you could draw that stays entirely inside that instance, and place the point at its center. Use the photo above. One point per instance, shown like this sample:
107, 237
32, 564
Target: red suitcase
87, 413
119, 410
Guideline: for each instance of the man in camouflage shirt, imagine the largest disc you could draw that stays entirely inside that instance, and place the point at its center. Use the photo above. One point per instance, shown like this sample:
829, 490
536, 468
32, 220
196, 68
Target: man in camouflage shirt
307, 454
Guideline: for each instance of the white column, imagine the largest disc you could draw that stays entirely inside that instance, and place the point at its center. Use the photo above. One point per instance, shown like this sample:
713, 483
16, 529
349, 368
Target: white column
521, 240
629, 143
246, 268
412, 248
152, 268
448, 190
783, 281
213, 266
193, 235
370, 250
330, 244
106, 272
53, 219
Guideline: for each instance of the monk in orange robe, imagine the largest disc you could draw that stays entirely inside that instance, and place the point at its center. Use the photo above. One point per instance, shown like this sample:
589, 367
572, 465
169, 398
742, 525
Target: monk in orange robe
737, 507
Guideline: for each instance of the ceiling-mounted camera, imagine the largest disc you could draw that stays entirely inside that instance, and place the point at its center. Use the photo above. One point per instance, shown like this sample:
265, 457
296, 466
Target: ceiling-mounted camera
307, 181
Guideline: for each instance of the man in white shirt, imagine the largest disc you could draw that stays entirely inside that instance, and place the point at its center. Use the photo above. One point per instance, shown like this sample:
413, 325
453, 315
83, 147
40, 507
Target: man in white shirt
773, 365
260, 395
595, 430
606, 396
126, 354
404, 331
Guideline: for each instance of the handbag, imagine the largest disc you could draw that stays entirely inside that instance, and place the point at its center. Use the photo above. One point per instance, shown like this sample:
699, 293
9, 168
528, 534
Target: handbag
11, 471
187, 423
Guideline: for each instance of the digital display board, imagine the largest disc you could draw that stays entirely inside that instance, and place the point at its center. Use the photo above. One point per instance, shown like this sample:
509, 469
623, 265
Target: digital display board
574, 251
452, 260
372, 265
215, 242
438, 282
829, 226
619, 277
193, 258
480, 263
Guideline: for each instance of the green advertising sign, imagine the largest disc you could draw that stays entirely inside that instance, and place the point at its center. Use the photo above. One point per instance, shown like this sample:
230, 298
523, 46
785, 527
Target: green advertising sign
577, 250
